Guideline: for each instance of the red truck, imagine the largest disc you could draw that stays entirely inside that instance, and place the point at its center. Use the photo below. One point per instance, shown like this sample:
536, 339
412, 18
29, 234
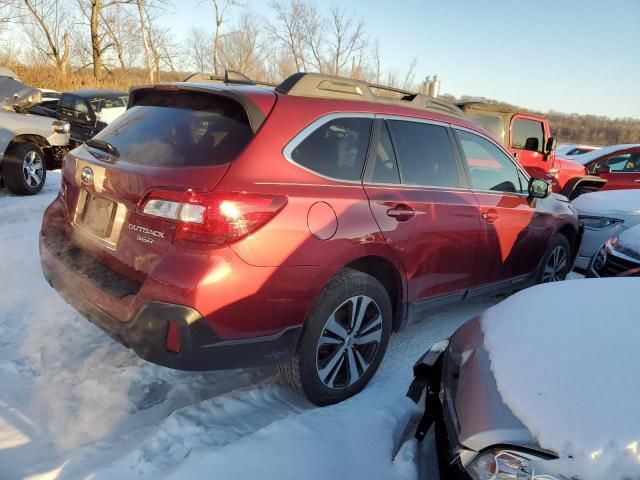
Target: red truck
529, 140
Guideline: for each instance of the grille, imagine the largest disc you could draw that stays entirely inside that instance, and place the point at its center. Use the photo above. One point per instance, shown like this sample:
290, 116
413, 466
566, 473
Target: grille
616, 265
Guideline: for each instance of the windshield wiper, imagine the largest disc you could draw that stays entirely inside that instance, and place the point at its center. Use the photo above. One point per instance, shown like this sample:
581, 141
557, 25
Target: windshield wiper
102, 145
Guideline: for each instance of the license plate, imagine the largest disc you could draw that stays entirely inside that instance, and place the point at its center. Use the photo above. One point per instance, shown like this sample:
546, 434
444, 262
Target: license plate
98, 214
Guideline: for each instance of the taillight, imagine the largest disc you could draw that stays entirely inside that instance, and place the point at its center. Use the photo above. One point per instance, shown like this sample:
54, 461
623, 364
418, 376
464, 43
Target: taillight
211, 217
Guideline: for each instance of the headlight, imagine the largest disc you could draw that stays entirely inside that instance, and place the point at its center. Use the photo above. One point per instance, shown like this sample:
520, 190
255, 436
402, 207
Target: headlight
509, 464
599, 223
60, 126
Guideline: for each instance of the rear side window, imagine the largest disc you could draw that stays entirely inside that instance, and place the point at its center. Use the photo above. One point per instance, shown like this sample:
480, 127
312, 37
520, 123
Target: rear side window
527, 135
425, 154
180, 129
336, 149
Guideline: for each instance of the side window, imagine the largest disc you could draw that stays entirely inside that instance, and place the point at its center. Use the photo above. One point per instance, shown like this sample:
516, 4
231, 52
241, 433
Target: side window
336, 149
80, 109
66, 105
625, 163
489, 167
527, 135
385, 166
424, 154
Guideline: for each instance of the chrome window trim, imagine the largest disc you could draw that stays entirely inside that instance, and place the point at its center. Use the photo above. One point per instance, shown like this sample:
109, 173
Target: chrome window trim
312, 127
503, 150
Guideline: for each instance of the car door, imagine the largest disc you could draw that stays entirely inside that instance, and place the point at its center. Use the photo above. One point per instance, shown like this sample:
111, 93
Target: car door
514, 234
527, 141
414, 184
621, 170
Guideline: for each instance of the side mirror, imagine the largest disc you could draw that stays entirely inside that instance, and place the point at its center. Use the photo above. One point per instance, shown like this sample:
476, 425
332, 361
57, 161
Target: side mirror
550, 146
538, 188
603, 170
532, 144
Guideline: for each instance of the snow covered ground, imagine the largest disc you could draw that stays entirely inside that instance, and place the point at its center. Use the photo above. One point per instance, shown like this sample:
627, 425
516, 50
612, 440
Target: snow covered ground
75, 404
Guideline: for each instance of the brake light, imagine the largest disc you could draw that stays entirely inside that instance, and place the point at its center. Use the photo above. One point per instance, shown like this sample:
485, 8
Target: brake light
213, 218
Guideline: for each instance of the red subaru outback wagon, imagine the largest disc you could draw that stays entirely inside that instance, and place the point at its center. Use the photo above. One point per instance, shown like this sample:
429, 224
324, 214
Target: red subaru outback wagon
217, 226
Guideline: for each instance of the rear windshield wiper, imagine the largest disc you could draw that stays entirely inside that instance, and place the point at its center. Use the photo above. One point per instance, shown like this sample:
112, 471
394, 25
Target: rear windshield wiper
102, 145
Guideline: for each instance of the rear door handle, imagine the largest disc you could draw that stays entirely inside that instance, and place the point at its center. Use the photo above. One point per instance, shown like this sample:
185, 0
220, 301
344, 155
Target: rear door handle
490, 217
402, 213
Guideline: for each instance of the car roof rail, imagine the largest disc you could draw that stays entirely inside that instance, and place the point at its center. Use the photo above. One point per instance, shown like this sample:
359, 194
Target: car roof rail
329, 86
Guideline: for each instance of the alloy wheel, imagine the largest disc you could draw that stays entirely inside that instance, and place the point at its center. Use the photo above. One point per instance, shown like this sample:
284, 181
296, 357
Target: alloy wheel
33, 169
349, 342
556, 265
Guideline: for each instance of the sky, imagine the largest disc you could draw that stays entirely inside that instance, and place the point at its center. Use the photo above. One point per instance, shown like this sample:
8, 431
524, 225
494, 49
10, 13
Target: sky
579, 56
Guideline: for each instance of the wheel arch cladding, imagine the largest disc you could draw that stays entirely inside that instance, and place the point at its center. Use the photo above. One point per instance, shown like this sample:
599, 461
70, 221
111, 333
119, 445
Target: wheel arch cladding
37, 140
388, 275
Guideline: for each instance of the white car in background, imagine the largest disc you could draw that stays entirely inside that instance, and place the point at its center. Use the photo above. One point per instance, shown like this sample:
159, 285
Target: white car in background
28, 143
604, 214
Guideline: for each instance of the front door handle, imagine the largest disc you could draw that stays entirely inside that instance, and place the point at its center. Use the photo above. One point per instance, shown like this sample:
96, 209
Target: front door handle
401, 213
491, 216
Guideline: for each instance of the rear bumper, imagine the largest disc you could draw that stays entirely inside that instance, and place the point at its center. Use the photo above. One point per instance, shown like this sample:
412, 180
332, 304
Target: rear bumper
200, 347
221, 325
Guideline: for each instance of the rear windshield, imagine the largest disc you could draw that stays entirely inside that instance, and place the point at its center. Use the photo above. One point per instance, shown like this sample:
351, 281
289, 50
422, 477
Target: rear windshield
180, 129
491, 123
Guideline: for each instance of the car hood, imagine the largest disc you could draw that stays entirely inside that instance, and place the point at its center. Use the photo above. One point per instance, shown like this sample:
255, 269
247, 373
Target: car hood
609, 203
629, 242
15, 95
481, 416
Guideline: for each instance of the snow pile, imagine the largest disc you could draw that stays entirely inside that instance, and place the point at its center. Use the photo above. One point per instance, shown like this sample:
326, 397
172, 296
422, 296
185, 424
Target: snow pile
565, 358
609, 202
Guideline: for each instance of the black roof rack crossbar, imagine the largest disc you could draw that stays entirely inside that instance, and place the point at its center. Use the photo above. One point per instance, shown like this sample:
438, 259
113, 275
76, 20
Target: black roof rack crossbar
230, 77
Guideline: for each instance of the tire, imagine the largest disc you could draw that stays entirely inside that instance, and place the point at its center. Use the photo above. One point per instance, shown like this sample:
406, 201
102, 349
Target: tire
555, 268
323, 374
24, 169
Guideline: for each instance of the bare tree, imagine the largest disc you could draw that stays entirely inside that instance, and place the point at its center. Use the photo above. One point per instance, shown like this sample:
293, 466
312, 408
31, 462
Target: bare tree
242, 50
144, 27
122, 31
220, 7
289, 29
347, 39
46, 22
199, 50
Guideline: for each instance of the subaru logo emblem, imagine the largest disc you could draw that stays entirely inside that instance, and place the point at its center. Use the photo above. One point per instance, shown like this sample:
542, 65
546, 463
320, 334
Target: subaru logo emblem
86, 175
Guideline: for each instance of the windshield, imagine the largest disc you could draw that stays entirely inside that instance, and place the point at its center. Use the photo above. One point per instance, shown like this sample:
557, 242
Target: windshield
180, 129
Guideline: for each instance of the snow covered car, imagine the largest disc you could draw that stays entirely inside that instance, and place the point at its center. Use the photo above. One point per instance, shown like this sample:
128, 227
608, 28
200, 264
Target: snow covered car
620, 256
571, 150
604, 214
538, 387
28, 143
